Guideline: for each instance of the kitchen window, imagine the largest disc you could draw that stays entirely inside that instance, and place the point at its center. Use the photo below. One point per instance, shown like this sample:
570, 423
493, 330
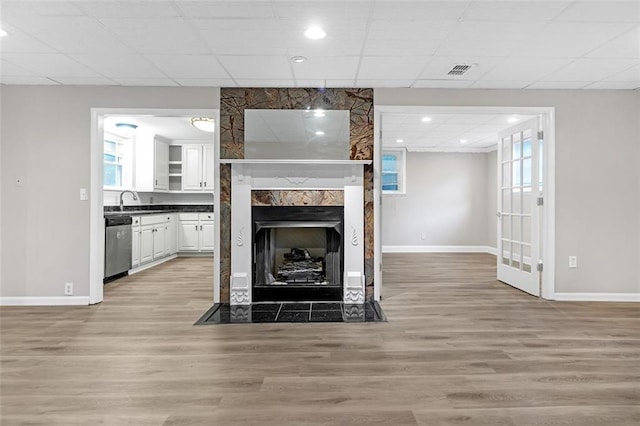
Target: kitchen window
118, 162
393, 171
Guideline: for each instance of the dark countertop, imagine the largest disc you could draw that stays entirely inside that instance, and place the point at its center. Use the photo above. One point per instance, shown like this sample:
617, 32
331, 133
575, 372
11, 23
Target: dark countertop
157, 209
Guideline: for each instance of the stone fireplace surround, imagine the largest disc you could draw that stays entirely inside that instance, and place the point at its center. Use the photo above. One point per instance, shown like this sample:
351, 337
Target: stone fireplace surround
254, 180
306, 177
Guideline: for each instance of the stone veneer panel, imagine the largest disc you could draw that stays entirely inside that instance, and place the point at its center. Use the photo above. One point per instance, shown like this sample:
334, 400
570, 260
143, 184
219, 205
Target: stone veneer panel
233, 102
297, 198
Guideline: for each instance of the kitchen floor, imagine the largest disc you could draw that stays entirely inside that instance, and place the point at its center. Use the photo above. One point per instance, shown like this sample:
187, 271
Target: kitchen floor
459, 347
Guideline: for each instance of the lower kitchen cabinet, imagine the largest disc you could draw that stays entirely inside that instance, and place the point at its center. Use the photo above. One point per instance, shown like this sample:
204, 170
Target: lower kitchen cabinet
196, 232
154, 237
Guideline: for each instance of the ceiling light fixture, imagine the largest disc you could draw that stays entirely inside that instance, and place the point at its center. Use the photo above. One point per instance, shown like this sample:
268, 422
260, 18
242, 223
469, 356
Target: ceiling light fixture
399, 140
298, 59
426, 119
463, 141
126, 129
206, 124
3, 33
513, 119
319, 133
315, 33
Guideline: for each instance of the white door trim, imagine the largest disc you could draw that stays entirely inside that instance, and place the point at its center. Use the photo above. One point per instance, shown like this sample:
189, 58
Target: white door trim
547, 119
96, 219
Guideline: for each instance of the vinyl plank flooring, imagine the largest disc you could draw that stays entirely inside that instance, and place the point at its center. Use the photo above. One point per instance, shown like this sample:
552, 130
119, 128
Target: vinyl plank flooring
460, 348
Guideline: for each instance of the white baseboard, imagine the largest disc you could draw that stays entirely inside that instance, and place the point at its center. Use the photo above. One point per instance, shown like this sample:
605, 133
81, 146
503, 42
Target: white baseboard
45, 301
439, 249
151, 264
597, 297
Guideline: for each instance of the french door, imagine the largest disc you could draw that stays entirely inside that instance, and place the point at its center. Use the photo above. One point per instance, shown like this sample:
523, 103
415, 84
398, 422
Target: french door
520, 187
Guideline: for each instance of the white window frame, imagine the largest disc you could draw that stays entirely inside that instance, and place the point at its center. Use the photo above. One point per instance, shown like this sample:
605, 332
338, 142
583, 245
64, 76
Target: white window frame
401, 154
126, 164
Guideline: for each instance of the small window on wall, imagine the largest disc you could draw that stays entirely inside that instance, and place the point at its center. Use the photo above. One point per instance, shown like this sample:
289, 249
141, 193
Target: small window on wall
118, 164
393, 171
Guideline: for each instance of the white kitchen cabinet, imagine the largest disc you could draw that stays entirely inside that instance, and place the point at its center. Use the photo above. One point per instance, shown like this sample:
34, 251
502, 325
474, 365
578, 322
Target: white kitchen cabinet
171, 235
146, 243
151, 164
135, 241
158, 241
196, 232
197, 167
206, 232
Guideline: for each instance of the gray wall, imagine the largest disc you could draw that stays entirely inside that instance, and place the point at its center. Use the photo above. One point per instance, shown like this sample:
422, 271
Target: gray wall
447, 202
45, 138
597, 177
492, 199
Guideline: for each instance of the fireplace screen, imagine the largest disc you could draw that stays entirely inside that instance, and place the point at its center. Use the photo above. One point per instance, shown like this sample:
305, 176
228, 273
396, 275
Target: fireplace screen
297, 246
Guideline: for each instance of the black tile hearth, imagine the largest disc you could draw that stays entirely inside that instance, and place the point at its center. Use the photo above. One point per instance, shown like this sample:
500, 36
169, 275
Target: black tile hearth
292, 312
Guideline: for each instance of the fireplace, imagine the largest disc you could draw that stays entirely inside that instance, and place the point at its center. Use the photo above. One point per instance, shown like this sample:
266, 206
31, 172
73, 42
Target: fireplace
298, 253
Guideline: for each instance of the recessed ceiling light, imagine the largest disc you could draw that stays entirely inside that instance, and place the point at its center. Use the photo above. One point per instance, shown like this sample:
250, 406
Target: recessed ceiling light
3, 33
513, 119
426, 119
319, 133
315, 33
399, 140
298, 59
318, 113
463, 141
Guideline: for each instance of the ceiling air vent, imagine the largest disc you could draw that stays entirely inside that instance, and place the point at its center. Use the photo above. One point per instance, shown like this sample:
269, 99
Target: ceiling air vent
459, 69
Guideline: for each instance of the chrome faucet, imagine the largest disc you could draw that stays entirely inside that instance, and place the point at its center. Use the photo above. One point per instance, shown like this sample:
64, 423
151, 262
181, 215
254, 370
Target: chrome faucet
135, 198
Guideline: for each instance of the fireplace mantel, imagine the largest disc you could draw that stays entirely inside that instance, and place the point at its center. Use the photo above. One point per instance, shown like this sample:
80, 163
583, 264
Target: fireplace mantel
277, 161
250, 175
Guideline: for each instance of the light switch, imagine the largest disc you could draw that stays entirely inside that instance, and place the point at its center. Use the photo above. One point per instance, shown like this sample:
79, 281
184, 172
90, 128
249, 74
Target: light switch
573, 261
84, 195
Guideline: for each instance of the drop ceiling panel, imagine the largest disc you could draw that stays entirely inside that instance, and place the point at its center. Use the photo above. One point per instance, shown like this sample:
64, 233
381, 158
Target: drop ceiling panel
8, 69
387, 82
547, 85
591, 69
260, 82
217, 9
189, 66
19, 42
468, 48
27, 80
114, 65
509, 11
337, 67
421, 11
391, 67
443, 84
630, 74
162, 41
610, 11
501, 84
243, 67
29, 9
525, 69
73, 34
86, 81
614, 85
495, 31
563, 39
131, 81
625, 46
313, 12
205, 82
119, 9
49, 65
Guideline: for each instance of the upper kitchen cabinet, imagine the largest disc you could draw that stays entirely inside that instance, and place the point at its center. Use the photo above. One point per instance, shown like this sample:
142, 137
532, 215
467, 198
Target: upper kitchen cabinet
152, 163
197, 167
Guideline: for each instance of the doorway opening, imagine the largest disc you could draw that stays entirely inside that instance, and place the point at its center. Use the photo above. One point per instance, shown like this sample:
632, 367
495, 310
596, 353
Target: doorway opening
143, 166
436, 204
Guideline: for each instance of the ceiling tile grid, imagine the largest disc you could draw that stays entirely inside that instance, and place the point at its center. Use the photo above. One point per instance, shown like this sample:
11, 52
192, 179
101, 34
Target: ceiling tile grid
572, 44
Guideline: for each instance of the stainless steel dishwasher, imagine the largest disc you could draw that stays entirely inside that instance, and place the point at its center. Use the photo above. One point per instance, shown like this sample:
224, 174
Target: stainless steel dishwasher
117, 250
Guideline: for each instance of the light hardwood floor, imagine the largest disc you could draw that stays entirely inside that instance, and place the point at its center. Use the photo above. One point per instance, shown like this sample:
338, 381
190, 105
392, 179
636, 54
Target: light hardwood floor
460, 348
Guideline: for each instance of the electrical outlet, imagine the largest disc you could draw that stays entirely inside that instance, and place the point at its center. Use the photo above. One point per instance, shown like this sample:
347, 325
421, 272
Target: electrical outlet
573, 261
68, 289
84, 195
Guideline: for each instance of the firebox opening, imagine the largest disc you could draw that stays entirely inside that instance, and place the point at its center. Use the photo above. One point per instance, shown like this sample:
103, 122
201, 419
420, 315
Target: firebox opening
297, 253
